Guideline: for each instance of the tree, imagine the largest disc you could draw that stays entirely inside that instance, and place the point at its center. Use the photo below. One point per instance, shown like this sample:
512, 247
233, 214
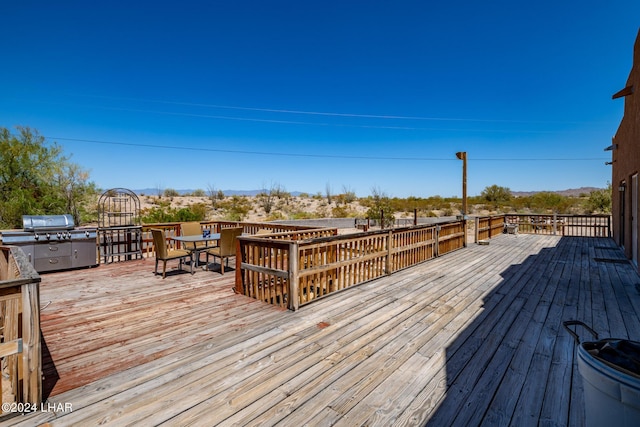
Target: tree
76, 190
37, 179
496, 195
599, 201
381, 204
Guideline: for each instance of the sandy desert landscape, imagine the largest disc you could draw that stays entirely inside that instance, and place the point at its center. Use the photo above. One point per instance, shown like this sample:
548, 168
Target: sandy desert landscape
294, 207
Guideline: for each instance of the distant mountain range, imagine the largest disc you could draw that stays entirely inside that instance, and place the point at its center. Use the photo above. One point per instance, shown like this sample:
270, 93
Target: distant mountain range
569, 192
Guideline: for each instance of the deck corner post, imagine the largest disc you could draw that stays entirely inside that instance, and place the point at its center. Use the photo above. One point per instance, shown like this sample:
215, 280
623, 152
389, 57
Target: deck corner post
437, 248
477, 229
464, 232
294, 298
31, 350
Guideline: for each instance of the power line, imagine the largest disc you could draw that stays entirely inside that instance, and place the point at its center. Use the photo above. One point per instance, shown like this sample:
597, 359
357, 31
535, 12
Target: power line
332, 114
321, 124
315, 155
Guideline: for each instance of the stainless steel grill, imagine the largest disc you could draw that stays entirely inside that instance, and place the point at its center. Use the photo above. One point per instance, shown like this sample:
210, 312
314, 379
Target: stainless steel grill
51, 242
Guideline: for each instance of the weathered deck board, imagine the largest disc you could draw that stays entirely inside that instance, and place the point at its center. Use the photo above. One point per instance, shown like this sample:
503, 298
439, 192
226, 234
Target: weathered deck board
470, 338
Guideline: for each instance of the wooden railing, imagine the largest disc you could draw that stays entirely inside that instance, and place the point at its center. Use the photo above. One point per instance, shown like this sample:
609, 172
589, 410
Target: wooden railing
279, 231
488, 226
554, 224
20, 346
292, 272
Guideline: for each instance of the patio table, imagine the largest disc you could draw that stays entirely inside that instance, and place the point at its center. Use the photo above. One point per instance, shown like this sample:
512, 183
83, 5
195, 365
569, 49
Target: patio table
191, 242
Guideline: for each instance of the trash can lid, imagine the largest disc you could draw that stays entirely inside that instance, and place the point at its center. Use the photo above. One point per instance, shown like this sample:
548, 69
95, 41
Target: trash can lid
620, 354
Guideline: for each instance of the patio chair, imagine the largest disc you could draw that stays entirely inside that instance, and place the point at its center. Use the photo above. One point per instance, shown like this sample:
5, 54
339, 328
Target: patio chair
193, 228
164, 254
227, 246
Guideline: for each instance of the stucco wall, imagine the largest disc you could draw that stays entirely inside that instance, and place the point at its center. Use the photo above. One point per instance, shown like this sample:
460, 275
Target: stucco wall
626, 158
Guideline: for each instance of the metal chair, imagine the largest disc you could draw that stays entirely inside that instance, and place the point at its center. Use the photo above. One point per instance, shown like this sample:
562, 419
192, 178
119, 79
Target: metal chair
227, 246
164, 254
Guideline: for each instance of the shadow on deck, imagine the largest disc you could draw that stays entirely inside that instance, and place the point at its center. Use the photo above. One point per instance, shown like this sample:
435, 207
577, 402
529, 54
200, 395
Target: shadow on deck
515, 364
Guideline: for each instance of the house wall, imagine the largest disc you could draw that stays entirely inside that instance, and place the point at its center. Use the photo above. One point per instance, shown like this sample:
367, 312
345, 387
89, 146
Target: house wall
626, 160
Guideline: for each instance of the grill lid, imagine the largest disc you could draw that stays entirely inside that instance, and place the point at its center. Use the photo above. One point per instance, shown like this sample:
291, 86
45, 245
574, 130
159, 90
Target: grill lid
47, 222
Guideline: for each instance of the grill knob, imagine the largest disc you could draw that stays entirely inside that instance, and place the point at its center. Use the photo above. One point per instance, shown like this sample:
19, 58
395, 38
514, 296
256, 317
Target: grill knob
48, 236
58, 234
36, 236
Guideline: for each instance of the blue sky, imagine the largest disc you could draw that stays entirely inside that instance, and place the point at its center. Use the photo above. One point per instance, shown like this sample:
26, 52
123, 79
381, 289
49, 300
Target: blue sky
314, 94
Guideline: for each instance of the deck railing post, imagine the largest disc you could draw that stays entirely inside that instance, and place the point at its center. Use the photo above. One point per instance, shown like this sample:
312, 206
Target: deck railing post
21, 322
239, 259
437, 248
464, 227
477, 233
389, 247
31, 346
555, 222
294, 298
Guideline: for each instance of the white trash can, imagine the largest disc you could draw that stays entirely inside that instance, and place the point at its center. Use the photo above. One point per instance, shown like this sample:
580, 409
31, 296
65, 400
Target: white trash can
611, 380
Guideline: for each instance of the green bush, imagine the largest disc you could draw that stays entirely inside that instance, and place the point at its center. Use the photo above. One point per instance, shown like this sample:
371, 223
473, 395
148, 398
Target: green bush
163, 212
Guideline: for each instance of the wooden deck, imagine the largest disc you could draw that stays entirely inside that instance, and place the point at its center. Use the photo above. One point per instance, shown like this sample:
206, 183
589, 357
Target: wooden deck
470, 338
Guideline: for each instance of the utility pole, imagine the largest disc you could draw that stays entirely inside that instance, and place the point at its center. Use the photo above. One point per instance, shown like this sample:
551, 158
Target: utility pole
462, 155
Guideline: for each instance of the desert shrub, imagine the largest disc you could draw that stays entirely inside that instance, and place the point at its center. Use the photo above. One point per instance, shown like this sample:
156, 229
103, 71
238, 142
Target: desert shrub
236, 208
275, 216
322, 211
381, 208
549, 202
198, 193
185, 214
347, 196
170, 192
266, 200
599, 201
163, 212
301, 215
199, 210
343, 211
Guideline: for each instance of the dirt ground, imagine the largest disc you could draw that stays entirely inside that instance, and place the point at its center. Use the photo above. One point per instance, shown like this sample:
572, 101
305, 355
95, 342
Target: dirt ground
283, 209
